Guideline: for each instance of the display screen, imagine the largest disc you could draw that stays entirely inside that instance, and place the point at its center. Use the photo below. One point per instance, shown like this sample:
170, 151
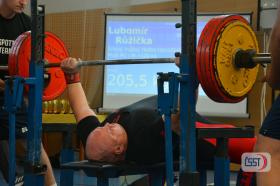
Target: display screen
146, 36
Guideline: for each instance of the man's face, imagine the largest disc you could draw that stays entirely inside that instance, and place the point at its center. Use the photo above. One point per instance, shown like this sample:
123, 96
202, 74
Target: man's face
109, 134
16, 5
104, 141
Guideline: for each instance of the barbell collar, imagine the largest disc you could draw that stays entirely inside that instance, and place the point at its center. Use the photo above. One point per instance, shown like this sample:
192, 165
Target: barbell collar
244, 58
250, 59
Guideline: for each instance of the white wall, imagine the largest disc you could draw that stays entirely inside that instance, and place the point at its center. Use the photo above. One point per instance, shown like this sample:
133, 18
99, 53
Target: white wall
55, 6
138, 2
267, 18
268, 13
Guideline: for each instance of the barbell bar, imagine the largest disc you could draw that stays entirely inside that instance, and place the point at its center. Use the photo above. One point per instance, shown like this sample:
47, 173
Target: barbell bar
109, 62
243, 59
4, 68
118, 62
262, 58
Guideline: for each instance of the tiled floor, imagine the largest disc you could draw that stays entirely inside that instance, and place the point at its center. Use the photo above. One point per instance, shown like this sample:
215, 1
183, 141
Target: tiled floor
80, 179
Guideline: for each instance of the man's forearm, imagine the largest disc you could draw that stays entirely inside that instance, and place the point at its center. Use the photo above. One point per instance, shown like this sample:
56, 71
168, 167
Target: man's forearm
78, 101
76, 94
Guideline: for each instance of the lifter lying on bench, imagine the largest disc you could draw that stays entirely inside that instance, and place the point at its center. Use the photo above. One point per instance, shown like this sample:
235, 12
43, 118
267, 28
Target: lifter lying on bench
134, 133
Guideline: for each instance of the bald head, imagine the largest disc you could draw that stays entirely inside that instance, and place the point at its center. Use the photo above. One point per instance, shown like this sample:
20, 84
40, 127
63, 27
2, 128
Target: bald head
107, 143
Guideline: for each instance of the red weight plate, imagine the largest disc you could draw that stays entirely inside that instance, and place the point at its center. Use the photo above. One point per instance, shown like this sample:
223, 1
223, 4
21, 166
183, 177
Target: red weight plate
208, 31
200, 58
223, 22
201, 61
55, 51
11, 61
234, 18
200, 54
214, 90
12, 56
204, 43
205, 68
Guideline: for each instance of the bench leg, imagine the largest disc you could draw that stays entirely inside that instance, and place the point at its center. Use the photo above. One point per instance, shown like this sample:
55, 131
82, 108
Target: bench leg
222, 171
31, 179
66, 176
221, 177
102, 181
203, 177
156, 178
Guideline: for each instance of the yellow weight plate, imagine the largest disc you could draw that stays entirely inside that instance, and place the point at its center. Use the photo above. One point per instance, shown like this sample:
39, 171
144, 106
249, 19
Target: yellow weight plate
236, 82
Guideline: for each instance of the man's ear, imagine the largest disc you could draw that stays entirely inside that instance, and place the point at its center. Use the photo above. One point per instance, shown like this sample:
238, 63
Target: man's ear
119, 149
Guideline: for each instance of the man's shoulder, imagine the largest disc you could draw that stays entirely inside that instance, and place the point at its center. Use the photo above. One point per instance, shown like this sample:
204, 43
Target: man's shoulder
89, 119
144, 114
144, 104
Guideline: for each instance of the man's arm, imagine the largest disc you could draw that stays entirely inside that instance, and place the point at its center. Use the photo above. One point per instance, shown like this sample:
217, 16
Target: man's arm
76, 94
273, 77
78, 101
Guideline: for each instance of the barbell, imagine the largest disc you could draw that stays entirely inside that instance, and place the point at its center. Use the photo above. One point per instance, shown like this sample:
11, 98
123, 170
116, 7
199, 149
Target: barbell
227, 60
